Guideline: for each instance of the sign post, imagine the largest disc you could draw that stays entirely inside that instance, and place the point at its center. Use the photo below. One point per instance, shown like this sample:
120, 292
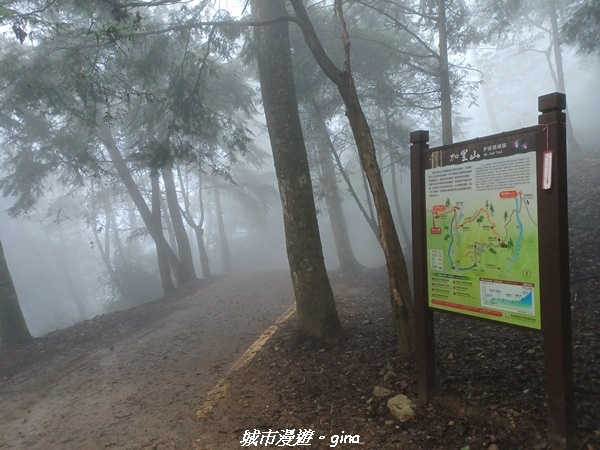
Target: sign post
478, 248
554, 271
424, 340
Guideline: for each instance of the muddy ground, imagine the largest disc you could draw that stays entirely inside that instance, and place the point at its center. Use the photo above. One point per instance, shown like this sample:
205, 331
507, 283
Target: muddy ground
135, 379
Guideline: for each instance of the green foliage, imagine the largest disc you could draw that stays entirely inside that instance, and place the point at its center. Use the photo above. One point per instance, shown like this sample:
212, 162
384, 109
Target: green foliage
169, 96
6, 13
525, 22
582, 26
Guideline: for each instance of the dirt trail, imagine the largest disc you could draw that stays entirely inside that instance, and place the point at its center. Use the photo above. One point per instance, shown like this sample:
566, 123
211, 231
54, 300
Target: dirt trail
141, 389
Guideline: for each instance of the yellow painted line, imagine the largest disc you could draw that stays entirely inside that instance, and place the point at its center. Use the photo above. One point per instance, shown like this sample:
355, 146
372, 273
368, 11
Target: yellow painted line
261, 341
220, 389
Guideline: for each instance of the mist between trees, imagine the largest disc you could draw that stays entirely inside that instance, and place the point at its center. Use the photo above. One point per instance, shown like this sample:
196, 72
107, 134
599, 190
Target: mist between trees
136, 154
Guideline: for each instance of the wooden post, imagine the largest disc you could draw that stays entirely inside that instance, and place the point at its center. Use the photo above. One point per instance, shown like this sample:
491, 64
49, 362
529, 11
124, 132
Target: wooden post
424, 339
554, 270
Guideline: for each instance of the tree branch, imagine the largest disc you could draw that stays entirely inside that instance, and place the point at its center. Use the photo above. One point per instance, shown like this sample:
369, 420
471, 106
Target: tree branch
225, 23
402, 26
120, 5
314, 44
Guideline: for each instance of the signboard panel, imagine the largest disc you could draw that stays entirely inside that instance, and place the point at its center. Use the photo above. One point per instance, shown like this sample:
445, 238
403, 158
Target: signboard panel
481, 220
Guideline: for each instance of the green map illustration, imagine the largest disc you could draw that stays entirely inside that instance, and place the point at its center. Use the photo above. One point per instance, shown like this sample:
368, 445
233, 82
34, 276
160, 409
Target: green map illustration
498, 238
482, 246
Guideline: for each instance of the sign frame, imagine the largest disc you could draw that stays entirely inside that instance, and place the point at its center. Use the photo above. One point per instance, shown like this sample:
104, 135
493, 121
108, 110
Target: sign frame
553, 254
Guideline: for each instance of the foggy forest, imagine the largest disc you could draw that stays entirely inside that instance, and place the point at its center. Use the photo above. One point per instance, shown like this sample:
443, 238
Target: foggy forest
153, 150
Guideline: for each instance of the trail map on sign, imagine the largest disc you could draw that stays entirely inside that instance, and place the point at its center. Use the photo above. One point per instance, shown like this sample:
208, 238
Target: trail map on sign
482, 230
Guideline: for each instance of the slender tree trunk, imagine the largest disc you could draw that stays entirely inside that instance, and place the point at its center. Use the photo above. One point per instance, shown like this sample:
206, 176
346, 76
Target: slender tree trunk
400, 295
164, 268
133, 242
224, 244
103, 254
322, 127
168, 224
154, 228
402, 306
395, 192
204, 261
112, 274
392, 156
370, 221
111, 226
333, 200
560, 74
119, 250
104, 249
183, 243
444, 71
13, 328
317, 314
197, 227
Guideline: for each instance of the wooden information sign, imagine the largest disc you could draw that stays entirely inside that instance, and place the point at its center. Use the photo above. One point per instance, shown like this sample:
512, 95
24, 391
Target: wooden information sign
490, 240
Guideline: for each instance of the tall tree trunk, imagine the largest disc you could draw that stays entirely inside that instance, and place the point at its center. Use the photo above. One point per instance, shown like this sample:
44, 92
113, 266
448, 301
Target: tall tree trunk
333, 200
154, 228
183, 243
317, 314
204, 262
392, 156
395, 192
400, 295
104, 255
370, 220
224, 244
197, 227
168, 224
444, 74
112, 227
164, 268
560, 73
112, 274
13, 328
104, 249
133, 243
